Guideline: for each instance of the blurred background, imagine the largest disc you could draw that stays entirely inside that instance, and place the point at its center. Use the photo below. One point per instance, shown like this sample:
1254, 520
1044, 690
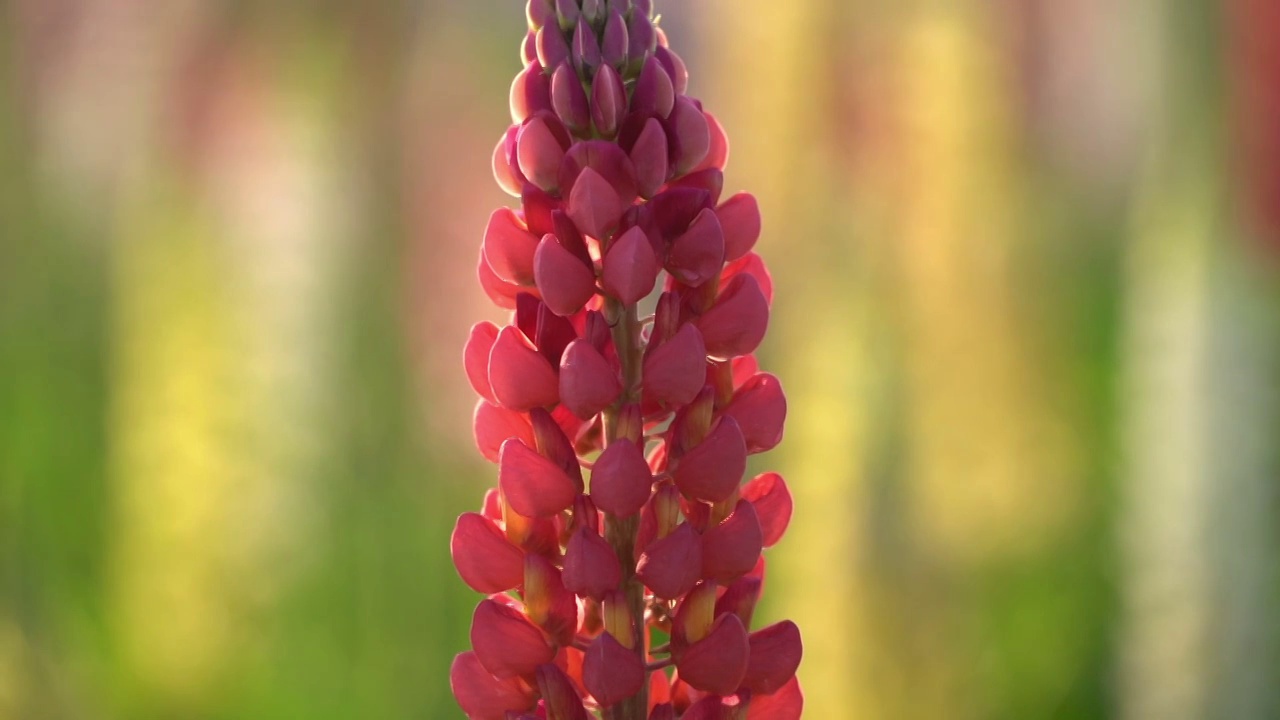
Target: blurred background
1027, 257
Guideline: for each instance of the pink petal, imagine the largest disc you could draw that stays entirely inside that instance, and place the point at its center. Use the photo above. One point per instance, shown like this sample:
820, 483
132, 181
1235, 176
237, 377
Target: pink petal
653, 94
568, 97
484, 559
712, 470
718, 154
697, 255
608, 101
483, 696
772, 500
760, 407
731, 549
588, 383
676, 370
775, 655
566, 283
740, 218
530, 92
785, 704
535, 486
650, 156
475, 358
736, 324
688, 134
718, 662
505, 642
493, 425
670, 567
611, 672
590, 566
630, 267
740, 598
539, 152
521, 377
621, 481
594, 205
500, 292
546, 601
560, 695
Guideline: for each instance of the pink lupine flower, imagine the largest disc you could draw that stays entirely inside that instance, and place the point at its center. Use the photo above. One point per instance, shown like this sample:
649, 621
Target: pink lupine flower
619, 176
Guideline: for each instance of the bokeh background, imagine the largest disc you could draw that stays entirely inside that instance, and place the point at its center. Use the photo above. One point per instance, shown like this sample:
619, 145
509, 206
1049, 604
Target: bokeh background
1027, 257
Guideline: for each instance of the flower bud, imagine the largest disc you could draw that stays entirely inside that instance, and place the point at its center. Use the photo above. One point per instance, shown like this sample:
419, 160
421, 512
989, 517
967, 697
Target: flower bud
509, 247
484, 559
505, 642
671, 566
688, 135
614, 42
711, 471
697, 255
608, 101
540, 148
772, 500
731, 549
481, 695
693, 618
539, 13
521, 377
630, 268
675, 371
641, 39
611, 672
530, 92
588, 383
674, 66
568, 13
592, 10
630, 424
559, 695
718, 152
535, 486
590, 565
717, 663
616, 615
529, 49
666, 509
553, 48
569, 99
736, 323
493, 425
650, 156
620, 480
653, 93
775, 655
594, 204
566, 283
586, 49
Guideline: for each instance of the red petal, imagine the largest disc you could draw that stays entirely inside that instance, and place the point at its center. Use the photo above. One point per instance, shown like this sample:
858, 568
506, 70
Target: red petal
530, 92
786, 704
505, 642
483, 696
650, 156
718, 662
621, 481
535, 486
590, 566
559, 694
611, 672
753, 265
775, 655
760, 407
670, 567
689, 135
711, 471
594, 205
509, 247
653, 93
500, 292
676, 370
539, 153
493, 425
731, 549
698, 254
769, 494
484, 559
521, 377
740, 598
740, 218
566, 283
735, 325
630, 267
718, 154
608, 101
588, 383
475, 358
546, 600
509, 177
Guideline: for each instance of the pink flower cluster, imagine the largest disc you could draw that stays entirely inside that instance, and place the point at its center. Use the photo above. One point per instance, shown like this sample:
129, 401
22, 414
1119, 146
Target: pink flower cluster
599, 585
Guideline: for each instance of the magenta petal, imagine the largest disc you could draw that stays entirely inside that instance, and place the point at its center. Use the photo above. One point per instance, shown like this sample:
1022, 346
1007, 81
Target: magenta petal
614, 42
689, 135
736, 324
653, 94
588, 383
594, 205
620, 480
718, 662
711, 471
569, 98
641, 38
533, 485
505, 642
676, 370
509, 247
608, 101
530, 92
493, 425
590, 566
675, 68
671, 566
740, 218
509, 177
753, 265
775, 655
630, 267
485, 560
760, 407
610, 671
475, 357
731, 549
521, 377
697, 255
586, 48
483, 696
552, 442
785, 704
772, 500
539, 152
663, 711
608, 160
740, 598
650, 156
718, 153
552, 48
566, 283
568, 12
502, 293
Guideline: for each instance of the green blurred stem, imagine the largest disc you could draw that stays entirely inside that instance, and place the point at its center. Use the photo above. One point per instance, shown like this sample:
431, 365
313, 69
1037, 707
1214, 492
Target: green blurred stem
621, 532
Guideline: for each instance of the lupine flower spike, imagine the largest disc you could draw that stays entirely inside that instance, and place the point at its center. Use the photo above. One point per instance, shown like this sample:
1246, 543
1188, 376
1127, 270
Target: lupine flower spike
620, 554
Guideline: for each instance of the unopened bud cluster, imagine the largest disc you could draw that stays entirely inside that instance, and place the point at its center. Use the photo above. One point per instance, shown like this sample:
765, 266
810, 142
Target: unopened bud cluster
621, 552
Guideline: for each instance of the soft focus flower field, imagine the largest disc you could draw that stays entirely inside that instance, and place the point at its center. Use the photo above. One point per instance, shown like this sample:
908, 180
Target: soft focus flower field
1026, 269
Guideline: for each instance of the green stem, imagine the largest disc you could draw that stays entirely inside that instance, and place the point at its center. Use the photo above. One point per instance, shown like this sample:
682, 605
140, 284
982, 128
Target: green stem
621, 532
